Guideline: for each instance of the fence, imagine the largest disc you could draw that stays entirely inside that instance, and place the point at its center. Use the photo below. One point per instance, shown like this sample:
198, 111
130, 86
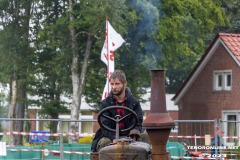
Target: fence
54, 150
194, 134
200, 137
231, 130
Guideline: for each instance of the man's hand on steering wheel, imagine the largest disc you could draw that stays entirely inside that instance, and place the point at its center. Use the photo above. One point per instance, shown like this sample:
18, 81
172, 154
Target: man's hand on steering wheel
117, 119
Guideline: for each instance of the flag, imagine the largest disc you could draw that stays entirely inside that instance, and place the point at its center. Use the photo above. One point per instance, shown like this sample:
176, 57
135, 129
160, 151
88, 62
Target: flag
113, 41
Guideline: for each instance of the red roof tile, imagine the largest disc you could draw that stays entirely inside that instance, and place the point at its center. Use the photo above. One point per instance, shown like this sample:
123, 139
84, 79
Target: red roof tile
232, 41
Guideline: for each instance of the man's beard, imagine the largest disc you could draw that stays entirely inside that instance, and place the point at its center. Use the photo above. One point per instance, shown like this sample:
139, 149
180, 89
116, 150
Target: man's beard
119, 93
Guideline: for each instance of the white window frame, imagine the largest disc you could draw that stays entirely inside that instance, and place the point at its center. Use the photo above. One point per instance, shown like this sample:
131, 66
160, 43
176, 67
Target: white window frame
223, 74
225, 114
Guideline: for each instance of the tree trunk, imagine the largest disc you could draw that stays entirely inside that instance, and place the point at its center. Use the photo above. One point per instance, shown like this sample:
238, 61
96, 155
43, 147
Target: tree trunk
12, 107
19, 125
85, 63
20, 114
55, 99
77, 81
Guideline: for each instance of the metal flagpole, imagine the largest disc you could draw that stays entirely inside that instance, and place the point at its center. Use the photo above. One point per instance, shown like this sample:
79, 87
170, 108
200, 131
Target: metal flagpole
108, 55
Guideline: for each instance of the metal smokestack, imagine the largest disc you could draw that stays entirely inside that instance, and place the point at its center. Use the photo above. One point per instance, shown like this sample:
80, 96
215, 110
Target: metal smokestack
158, 123
158, 97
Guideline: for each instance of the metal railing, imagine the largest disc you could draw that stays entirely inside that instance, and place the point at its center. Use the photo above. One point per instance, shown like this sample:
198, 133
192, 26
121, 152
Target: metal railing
60, 133
190, 132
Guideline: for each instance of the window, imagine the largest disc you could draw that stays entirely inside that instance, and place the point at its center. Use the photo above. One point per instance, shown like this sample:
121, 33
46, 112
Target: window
222, 80
230, 125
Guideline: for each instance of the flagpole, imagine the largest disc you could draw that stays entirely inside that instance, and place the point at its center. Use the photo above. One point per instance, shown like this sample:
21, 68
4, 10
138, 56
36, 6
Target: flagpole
107, 53
113, 41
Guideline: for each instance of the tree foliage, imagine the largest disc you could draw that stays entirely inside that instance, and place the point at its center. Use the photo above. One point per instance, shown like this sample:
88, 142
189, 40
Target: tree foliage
186, 29
36, 44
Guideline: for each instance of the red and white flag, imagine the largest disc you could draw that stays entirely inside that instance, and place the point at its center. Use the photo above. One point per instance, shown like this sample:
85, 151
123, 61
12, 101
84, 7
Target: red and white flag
112, 42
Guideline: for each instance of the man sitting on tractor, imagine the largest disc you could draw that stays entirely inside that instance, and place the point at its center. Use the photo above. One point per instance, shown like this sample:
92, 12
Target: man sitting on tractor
120, 95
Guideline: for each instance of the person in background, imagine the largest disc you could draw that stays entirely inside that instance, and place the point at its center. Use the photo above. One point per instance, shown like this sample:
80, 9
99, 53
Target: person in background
120, 95
219, 134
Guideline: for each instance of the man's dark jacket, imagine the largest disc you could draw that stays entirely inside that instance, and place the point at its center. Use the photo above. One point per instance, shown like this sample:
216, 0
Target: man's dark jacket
130, 102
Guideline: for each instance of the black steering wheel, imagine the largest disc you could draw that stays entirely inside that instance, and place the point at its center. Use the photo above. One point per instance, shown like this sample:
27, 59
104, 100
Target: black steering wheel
117, 119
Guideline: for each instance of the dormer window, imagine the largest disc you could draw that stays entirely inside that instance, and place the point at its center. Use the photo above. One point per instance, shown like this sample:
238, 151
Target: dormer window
222, 80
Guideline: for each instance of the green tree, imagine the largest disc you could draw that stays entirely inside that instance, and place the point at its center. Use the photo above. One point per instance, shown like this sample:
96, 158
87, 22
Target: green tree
84, 21
74, 35
231, 9
170, 35
186, 29
59, 53
15, 55
51, 78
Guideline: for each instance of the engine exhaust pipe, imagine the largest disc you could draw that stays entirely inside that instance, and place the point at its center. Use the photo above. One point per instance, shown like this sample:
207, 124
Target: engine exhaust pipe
158, 123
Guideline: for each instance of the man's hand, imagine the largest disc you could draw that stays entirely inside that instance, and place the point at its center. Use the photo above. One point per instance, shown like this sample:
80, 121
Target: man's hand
134, 134
114, 140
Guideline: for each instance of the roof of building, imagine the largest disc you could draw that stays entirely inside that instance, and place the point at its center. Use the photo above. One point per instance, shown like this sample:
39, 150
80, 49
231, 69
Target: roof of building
231, 42
84, 104
145, 106
170, 106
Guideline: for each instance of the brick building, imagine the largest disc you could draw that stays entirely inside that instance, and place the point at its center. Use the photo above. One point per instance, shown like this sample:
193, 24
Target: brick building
212, 90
